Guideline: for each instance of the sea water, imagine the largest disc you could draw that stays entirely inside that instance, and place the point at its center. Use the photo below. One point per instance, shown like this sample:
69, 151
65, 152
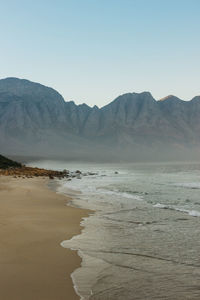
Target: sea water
143, 239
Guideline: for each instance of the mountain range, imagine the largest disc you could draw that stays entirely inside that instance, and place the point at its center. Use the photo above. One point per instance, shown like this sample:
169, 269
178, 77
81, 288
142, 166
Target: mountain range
36, 121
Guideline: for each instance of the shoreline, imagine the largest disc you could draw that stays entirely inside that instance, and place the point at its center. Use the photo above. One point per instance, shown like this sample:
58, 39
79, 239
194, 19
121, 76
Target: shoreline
35, 220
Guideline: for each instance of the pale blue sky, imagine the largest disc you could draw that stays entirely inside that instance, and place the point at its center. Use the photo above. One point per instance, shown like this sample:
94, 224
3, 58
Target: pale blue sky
93, 50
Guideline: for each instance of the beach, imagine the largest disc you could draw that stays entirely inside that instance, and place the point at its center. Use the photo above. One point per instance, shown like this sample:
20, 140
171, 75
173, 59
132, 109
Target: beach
141, 240
34, 221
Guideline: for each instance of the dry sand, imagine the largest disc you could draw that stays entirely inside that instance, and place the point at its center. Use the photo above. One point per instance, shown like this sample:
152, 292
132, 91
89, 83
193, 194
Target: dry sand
33, 222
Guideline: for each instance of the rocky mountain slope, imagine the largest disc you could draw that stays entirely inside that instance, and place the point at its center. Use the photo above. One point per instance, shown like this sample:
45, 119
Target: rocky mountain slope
6, 163
35, 120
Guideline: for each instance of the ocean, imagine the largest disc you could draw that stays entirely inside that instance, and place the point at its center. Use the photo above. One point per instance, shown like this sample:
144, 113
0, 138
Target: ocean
142, 238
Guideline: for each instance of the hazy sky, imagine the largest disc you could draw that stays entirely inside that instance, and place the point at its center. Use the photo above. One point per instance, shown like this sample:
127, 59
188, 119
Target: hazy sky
93, 50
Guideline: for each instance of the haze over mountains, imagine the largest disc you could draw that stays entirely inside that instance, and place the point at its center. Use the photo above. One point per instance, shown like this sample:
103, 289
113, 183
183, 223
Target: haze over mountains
36, 121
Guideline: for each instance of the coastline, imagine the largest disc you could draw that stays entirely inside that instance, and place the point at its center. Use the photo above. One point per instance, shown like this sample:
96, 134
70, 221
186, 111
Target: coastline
35, 220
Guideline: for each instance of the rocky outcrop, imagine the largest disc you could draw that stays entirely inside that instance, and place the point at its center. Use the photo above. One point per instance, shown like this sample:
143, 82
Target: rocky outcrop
6, 163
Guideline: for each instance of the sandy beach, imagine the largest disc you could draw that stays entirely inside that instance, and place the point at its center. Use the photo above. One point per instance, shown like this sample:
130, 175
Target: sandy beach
34, 221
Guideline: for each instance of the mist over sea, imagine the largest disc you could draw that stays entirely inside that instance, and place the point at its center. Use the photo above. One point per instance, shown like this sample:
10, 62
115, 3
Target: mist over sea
143, 239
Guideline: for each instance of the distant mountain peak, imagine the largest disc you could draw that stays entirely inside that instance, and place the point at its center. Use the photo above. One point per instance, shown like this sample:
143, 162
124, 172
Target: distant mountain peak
166, 97
29, 90
134, 96
146, 93
170, 97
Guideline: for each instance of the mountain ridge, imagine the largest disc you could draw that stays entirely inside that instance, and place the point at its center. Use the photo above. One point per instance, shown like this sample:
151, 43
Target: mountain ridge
36, 120
16, 79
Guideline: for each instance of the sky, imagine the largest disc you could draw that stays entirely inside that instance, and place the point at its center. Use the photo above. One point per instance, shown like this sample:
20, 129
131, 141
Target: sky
92, 51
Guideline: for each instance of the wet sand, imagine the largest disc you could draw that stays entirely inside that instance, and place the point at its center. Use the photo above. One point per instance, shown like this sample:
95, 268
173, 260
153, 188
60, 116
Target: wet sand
34, 220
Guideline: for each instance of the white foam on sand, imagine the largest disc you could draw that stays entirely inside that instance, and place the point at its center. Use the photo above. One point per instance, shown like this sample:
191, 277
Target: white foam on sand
89, 265
84, 195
